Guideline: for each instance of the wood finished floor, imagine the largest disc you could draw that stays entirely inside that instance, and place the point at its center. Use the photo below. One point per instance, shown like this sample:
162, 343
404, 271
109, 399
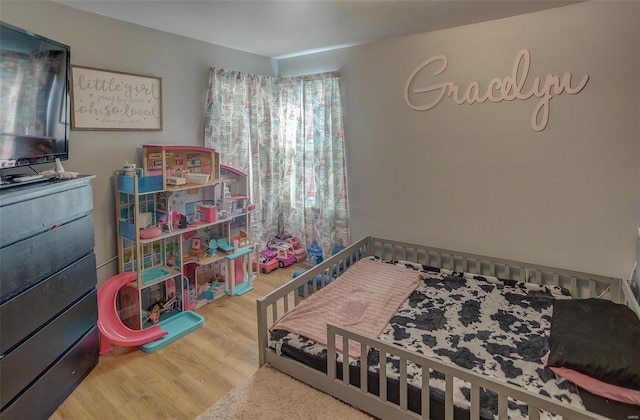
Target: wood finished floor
184, 378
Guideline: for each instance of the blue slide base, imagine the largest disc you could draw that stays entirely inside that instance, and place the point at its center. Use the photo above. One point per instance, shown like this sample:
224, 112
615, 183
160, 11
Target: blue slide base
176, 327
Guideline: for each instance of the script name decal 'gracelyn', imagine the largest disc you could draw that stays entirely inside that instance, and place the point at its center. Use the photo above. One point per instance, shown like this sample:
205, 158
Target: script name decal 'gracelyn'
498, 90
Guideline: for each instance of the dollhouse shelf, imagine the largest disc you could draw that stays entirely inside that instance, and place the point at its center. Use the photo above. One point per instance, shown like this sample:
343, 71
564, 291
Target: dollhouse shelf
176, 327
153, 184
203, 261
190, 228
173, 188
157, 275
186, 197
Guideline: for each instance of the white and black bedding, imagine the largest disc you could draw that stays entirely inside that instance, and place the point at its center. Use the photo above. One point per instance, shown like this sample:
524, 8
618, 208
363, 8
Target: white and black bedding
492, 326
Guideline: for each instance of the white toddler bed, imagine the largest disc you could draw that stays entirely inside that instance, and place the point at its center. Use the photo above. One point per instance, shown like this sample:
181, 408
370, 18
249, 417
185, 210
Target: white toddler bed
395, 391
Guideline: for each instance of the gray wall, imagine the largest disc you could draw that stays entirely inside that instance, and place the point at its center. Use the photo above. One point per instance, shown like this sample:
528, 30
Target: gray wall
182, 63
478, 178
475, 178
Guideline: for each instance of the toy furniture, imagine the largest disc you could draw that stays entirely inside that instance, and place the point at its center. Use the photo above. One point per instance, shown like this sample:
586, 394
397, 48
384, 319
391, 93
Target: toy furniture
112, 330
178, 178
413, 379
239, 278
223, 245
196, 247
48, 305
179, 190
213, 248
189, 295
207, 213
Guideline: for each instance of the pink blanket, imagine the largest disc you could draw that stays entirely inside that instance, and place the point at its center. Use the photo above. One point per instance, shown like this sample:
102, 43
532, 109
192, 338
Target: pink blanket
364, 299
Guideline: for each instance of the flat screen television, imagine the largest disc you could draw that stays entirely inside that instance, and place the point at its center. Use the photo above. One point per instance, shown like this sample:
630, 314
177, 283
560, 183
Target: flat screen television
34, 98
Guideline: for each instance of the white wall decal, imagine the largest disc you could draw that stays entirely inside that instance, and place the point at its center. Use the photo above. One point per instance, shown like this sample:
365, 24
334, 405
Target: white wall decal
506, 89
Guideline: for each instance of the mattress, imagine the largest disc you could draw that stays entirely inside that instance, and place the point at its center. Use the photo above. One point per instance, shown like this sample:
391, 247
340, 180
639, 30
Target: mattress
495, 327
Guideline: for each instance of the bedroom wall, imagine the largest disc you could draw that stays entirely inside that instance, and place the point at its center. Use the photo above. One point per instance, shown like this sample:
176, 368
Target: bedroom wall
182, 63
478, 178
471, 177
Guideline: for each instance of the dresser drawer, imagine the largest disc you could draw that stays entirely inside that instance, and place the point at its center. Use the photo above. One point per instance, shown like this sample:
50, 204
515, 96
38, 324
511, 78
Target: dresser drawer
41, 210
31, 260
67, 285
50, 390
26, 362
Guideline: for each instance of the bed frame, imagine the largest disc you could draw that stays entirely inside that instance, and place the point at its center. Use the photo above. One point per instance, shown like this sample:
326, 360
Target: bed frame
274, 305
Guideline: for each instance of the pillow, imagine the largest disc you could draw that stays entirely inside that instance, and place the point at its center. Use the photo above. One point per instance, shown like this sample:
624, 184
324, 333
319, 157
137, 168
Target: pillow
603, 389
596, 337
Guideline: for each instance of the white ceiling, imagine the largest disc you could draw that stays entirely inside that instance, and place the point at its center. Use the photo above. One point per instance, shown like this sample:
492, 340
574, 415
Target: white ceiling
280, 29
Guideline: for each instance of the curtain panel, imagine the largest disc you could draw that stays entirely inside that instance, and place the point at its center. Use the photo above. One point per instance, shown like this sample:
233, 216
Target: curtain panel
287, 135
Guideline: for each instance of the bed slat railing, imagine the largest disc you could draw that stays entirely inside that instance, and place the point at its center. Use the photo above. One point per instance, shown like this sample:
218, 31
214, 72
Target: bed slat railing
504, 390
503, 406
383, 378
448, 396
403, 384
534, 412
364, 385
475, 401
581, 285
286, 297
424, 396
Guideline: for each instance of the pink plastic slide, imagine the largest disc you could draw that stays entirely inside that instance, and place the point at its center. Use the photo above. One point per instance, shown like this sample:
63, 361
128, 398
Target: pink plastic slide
112, 330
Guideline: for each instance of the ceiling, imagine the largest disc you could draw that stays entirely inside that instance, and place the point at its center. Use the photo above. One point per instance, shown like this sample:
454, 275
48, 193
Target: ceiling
281, 29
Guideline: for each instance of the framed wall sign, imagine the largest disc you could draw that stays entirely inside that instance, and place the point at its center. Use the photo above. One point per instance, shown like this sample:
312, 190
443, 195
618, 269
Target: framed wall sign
112, 100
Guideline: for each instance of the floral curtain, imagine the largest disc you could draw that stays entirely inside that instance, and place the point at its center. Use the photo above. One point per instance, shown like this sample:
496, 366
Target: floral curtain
286, 133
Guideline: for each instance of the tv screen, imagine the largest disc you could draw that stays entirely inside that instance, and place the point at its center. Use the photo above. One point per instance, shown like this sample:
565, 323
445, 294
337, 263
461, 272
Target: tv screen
34, 98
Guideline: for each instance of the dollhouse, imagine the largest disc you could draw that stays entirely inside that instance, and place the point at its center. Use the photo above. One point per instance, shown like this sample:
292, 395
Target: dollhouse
183, 227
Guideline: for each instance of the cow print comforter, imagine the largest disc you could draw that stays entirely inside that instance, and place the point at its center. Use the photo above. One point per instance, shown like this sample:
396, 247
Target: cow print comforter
494, 327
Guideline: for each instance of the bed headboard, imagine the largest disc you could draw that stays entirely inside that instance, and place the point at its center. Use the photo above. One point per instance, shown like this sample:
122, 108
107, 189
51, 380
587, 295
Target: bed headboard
581, 285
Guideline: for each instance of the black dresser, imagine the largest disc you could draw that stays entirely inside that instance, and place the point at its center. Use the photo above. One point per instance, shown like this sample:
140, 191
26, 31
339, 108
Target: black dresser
48, 308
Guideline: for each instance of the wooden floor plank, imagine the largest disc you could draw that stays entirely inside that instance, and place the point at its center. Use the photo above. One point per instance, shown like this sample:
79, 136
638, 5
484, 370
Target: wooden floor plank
187, 376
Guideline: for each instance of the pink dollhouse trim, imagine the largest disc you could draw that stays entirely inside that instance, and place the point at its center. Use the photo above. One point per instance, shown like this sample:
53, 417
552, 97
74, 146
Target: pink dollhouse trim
170, 147
232, 170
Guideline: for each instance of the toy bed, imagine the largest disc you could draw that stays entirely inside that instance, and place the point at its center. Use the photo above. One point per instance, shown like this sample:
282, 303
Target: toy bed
434, 338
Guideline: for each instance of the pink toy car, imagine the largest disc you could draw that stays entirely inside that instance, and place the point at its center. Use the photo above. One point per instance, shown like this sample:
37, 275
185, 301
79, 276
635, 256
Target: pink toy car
297, 248
267, 261
285, 255
268, 254
268, 265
